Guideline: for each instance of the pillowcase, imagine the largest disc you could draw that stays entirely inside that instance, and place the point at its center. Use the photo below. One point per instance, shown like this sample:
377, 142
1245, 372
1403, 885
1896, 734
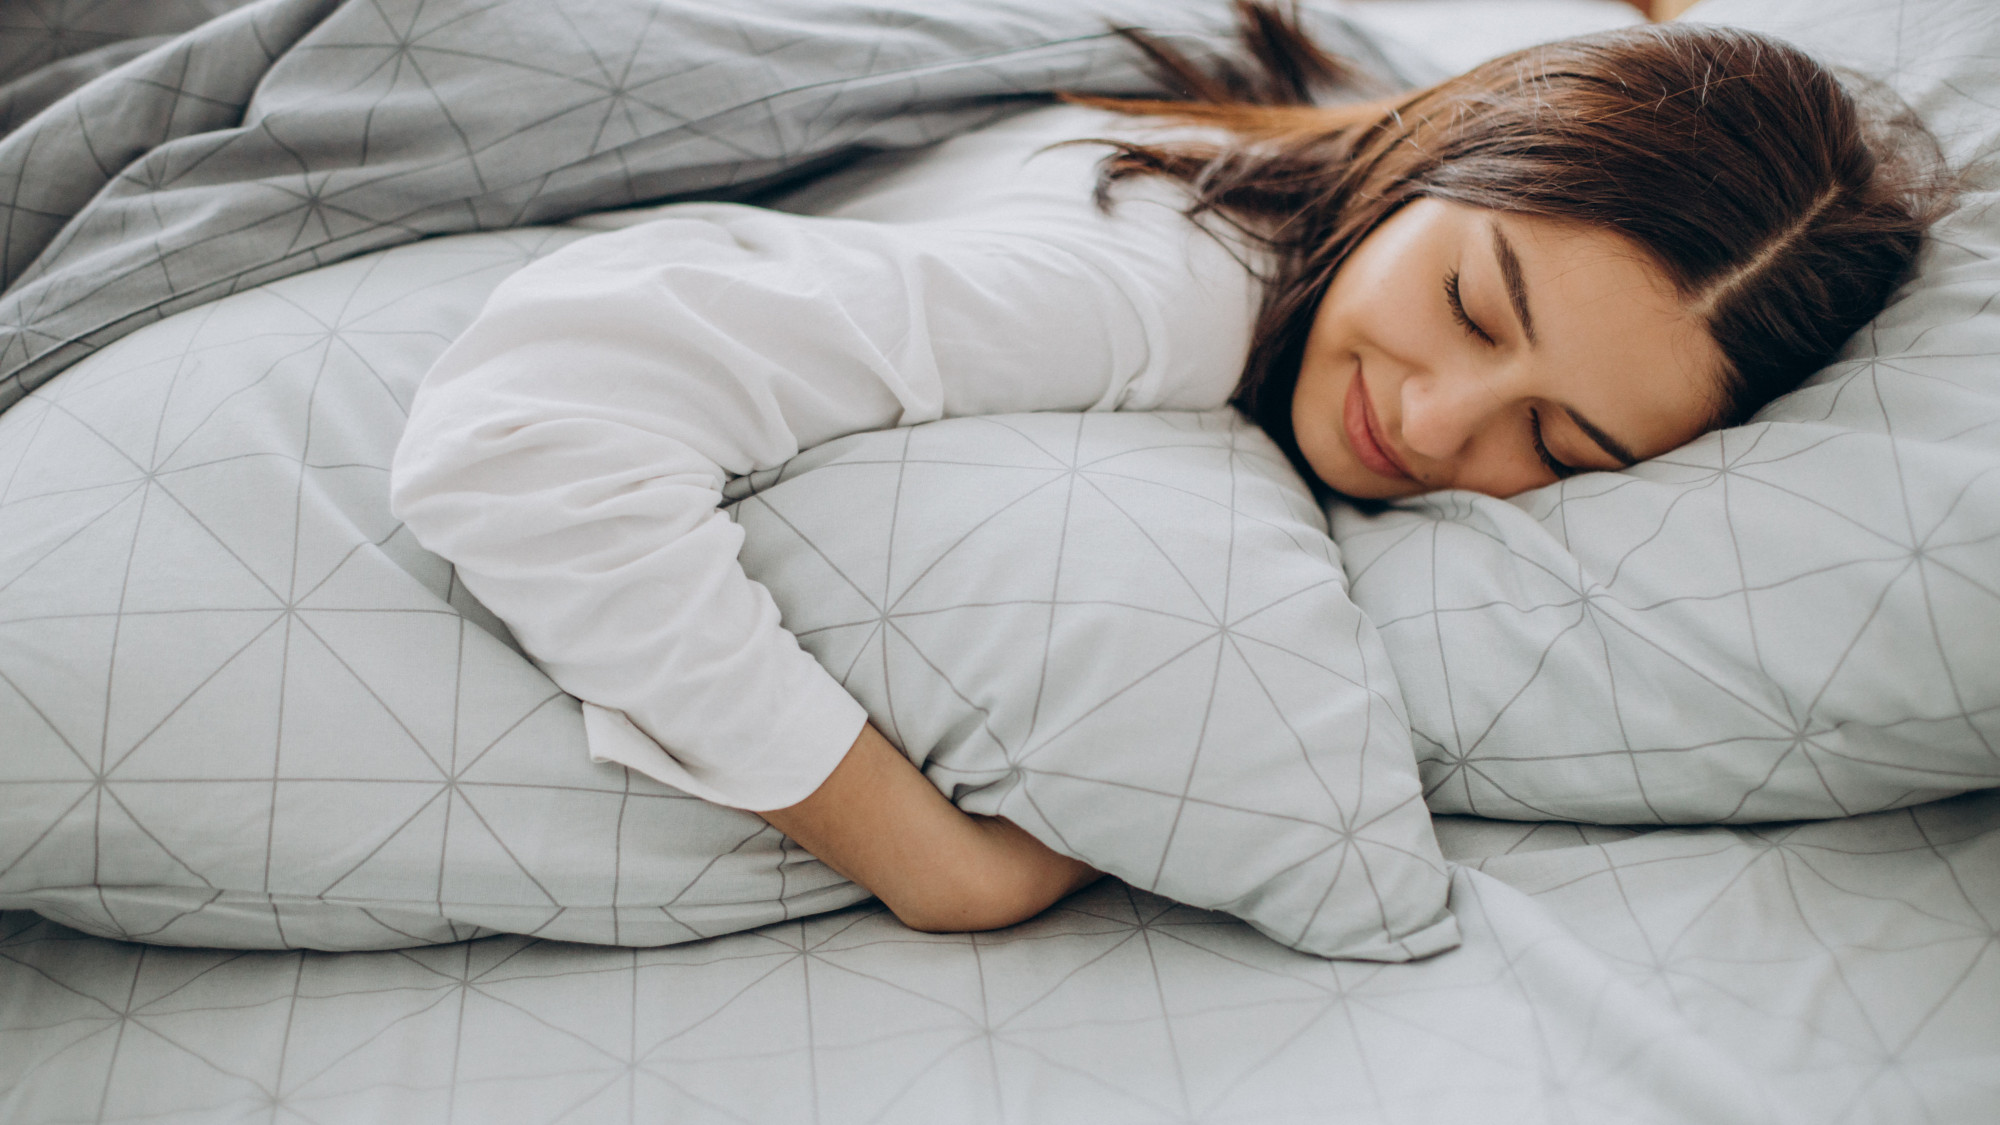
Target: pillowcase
242, 707
1130, 635
1793, 618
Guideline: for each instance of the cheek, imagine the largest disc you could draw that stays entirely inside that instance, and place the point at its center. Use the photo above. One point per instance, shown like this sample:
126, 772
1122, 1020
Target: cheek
1500, 469
1388, 315
1317, 395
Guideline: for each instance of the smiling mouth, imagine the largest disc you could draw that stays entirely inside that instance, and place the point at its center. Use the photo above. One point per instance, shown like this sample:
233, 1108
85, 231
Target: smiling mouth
1363, 429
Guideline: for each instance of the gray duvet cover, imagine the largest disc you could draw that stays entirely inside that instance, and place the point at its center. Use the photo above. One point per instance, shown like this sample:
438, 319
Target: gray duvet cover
1841, 971
287, 134
1844, 971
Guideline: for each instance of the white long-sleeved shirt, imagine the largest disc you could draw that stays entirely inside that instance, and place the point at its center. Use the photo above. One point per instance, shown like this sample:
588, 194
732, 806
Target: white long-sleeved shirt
567, 452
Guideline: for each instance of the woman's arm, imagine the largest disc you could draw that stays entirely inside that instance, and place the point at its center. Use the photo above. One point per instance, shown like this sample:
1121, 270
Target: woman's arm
568, 452
881, 823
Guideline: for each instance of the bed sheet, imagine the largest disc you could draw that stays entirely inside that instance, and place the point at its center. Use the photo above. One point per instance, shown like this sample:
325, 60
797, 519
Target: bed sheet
1836, 971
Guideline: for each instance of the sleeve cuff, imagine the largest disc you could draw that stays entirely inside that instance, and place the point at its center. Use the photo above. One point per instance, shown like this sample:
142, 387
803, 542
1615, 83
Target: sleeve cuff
820, 734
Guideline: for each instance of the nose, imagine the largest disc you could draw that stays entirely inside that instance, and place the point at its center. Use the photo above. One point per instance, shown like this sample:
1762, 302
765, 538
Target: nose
1443, 410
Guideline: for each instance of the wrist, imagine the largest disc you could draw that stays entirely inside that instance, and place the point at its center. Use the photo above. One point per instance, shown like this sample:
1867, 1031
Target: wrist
878, 821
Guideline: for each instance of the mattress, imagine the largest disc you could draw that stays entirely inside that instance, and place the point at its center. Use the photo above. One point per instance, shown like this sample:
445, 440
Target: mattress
1833, 970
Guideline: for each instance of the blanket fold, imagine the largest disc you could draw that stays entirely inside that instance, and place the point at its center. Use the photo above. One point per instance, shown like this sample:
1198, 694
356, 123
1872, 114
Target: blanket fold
289, 134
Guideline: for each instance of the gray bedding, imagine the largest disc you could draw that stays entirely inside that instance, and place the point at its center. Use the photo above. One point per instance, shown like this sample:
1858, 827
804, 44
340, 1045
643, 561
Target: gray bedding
1845, 971
288, 134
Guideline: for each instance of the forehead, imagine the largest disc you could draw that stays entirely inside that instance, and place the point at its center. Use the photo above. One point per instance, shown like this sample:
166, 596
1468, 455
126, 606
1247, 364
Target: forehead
1614, 340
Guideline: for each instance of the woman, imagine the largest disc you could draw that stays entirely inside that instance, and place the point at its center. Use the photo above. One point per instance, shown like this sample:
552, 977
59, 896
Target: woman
1573, 258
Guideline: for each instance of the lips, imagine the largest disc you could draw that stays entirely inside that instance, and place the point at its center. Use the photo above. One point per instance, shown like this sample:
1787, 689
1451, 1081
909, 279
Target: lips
1364, 433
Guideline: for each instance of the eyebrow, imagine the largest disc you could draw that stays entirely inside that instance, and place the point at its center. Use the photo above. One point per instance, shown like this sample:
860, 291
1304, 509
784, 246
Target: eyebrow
1517, 286
1517, 295
1604, 441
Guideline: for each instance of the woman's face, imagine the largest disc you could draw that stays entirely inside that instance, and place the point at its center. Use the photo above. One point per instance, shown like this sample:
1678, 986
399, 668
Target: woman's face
1463, 348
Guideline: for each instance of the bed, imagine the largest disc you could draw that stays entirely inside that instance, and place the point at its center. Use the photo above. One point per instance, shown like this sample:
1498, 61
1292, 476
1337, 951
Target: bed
1813, 937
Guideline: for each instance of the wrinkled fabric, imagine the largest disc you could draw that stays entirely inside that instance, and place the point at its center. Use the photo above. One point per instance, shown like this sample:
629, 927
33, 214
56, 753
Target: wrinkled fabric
289, 134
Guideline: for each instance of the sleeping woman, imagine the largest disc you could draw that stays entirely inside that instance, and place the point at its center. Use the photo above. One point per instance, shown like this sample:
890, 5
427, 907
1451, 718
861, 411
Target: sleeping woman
1567, 260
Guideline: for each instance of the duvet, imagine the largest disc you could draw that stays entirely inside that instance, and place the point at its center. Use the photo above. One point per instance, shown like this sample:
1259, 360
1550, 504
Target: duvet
1130, 635
1793, 619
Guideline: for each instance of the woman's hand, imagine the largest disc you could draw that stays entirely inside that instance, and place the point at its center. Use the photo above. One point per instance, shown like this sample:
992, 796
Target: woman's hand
878, 821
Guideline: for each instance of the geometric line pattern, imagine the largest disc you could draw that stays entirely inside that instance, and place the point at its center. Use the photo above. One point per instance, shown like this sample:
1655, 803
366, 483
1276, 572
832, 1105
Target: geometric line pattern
1792, 618
206, 604
1839, 971
1128, 634
242, 707
49, 48
290, 134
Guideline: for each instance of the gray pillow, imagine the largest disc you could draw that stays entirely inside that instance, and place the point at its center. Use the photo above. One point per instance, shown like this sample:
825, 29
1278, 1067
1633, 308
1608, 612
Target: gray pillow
1794, 618
241, 707
1130, 635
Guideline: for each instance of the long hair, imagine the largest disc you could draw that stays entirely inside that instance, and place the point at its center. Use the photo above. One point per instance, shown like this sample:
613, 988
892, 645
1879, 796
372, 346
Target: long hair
1783, 212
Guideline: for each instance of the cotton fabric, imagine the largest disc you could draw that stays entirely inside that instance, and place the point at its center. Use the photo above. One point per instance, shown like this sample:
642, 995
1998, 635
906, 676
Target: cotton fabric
567, 453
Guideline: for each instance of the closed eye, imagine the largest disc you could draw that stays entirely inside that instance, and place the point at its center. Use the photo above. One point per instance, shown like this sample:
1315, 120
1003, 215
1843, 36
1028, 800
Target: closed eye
1542, 449
1457, 305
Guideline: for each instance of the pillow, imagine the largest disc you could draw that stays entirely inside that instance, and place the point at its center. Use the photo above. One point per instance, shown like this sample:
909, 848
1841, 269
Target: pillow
1454, 36
243, 708
1793, 618
1130, 635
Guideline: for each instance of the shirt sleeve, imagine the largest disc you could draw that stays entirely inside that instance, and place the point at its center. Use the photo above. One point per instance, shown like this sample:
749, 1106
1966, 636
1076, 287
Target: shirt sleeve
567, 452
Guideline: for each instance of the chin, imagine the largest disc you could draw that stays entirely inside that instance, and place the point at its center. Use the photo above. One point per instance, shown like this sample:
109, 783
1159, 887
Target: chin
1374, 493
1339, 472
1346, 481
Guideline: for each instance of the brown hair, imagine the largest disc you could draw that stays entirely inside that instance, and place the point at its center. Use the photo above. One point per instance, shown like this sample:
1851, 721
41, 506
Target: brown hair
1782, 210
